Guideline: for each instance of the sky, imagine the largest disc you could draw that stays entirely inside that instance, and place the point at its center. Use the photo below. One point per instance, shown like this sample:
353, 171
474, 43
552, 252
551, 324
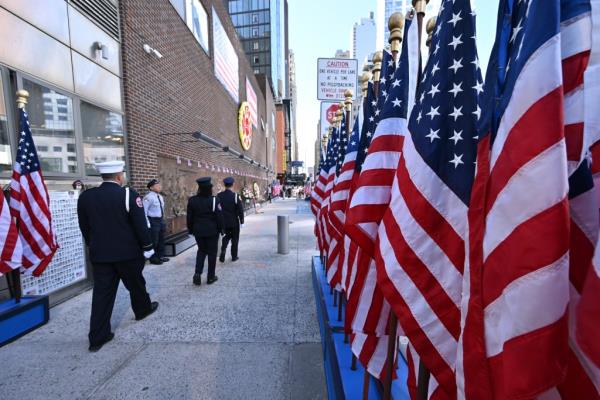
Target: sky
317, 28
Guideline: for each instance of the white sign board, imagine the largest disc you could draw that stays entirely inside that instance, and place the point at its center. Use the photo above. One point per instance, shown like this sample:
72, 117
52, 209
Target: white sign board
197, 22
68, 264
335, 76
328, 110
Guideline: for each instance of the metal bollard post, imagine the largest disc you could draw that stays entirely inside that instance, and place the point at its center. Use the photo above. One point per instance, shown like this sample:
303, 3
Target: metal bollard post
283, 234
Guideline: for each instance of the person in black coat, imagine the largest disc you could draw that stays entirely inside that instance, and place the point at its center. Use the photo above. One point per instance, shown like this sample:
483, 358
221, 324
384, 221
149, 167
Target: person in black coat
114, 227
233, 214
205, 222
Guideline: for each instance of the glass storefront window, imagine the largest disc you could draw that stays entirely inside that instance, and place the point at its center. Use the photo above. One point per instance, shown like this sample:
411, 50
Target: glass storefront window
52, 126
103, 138
5, 158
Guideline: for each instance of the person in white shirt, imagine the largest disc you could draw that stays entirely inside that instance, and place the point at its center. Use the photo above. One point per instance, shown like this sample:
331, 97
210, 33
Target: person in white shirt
154, 206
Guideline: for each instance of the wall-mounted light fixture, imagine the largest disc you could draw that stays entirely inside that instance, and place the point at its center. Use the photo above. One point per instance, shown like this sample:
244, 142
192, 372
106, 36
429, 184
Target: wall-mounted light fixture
102, 48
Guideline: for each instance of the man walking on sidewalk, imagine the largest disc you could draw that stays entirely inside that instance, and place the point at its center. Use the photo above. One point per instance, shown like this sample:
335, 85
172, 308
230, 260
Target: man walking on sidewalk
113, 225
154, 205
233, 213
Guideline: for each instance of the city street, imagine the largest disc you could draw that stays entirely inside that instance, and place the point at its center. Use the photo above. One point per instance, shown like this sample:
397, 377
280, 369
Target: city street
251, 335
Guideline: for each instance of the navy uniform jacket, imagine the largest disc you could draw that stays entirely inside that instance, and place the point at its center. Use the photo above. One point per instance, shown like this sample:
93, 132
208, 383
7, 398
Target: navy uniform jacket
112, 233
204, 216
233, 210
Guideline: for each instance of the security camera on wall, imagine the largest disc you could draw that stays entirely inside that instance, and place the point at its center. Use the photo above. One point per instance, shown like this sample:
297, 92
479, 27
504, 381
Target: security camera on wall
152, 51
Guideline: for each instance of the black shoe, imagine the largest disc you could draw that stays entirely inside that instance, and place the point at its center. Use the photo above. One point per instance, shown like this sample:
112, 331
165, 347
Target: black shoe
234, 258
96, 347
155, 261
153, 307
213, 280
164, 259
197, 279
222, 257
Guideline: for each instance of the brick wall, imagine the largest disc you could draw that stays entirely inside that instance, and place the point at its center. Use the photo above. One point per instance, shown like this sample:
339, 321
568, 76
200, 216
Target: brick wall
179, 93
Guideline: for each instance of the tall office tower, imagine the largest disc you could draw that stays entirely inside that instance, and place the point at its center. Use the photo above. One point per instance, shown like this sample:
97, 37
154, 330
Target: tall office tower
263, 30
392, 6
364, 38
293, 94
342, 54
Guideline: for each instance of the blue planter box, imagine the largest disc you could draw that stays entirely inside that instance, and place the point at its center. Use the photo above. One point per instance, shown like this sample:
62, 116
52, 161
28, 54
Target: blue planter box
18, 319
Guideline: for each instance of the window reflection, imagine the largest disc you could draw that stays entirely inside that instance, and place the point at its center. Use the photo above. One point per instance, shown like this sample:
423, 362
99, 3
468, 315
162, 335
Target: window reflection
103, 138
52, 126
5, 159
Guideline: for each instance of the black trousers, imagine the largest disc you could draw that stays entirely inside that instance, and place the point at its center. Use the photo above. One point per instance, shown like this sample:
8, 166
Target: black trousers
106, 283
157, 228
232, 234
207, 247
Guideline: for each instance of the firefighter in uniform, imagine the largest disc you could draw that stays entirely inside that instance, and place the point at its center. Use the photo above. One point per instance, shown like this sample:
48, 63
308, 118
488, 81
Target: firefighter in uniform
233, 215
114, 227
154, 205
205, 222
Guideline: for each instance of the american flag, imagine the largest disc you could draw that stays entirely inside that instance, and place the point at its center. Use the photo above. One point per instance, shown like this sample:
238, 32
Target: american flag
30, 204
518, 271
11, 251
422, 237
316, 196
252, 102
322, 218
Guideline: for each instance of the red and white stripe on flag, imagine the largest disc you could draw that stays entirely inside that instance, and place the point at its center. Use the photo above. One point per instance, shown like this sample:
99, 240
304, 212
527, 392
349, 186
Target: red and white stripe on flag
252, 102
11, 251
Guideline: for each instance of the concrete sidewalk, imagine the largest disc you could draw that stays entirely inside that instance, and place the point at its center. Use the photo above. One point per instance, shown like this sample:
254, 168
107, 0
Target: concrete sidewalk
252, 335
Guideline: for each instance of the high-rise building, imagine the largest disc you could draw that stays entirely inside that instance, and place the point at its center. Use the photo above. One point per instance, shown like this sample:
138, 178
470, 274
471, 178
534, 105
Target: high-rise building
262, 27
364, 39
392, 6
342, 54
293, 95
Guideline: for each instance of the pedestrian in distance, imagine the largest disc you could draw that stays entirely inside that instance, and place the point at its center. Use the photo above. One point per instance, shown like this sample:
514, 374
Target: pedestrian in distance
233, 215
205, 222
154, 206
114, 227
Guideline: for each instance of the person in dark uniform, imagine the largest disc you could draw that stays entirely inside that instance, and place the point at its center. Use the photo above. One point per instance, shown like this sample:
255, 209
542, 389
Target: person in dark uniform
205, 222
114, 227
233, 215
154, 205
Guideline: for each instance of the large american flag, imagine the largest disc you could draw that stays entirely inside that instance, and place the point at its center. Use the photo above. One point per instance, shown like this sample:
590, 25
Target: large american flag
517, 286
11, 251
30, 204
422, 236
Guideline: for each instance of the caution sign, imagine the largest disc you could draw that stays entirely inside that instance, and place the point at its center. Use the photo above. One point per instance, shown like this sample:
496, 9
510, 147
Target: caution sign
335, 76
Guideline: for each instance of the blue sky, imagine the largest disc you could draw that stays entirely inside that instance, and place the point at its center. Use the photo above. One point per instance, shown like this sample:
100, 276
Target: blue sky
320, 27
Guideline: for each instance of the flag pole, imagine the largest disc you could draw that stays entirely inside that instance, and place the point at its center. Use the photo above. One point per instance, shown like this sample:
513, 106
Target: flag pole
423, 373
377, 58
14, 277
419, 6
395, 25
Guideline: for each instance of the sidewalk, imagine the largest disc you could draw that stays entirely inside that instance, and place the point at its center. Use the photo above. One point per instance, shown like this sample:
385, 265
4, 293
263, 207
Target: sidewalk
251, 335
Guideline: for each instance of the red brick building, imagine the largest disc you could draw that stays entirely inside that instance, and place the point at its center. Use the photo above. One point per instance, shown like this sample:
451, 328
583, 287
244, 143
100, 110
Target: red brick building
182, 97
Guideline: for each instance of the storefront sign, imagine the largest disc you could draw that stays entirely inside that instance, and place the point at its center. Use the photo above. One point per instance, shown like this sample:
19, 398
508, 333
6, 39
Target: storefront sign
335, 76
245, 125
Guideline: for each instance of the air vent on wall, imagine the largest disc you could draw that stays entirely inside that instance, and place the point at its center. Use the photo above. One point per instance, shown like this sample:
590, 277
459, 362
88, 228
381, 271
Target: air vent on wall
102, 12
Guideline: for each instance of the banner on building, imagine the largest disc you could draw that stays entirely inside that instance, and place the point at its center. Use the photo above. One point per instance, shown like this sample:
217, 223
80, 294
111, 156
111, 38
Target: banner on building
252, 102
335, 76
226, 59
197, 22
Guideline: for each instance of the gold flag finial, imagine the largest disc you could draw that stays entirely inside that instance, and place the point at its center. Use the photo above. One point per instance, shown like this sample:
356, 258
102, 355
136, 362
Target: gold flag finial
395, 26
430, 28
420, 5
22, 96
348, 102
364, 80
377, 58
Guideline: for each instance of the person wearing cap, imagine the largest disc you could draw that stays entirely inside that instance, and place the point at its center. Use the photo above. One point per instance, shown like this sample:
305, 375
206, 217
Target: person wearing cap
113, 225
154, 205
233, 215
205, 222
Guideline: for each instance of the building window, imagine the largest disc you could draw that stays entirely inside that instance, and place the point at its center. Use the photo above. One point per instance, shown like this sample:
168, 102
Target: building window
103, 138
255, 45
256, 71
42, 148
255, 18
256, 60
5, 157
70, 147
50, 128
254, 32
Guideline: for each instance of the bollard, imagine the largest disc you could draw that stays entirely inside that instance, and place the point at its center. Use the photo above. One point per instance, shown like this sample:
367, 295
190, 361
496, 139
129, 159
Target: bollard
283, 234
